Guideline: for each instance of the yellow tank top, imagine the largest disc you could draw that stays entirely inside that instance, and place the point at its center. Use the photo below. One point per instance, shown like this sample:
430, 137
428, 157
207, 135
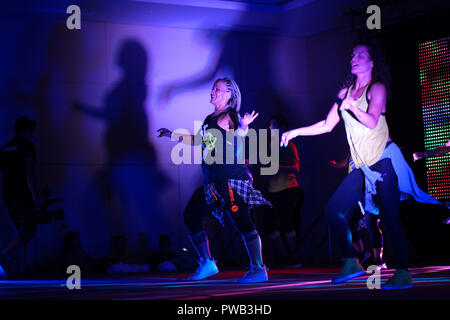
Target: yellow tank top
366, 145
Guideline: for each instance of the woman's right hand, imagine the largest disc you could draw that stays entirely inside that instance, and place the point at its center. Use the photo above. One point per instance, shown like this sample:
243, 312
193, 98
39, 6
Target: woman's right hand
288, 135
163, 132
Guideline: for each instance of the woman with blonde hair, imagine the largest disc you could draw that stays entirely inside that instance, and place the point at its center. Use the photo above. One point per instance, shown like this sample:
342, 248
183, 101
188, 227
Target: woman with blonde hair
227, 186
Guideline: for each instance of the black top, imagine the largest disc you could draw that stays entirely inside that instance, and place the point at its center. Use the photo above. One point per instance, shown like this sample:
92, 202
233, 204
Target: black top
216, 144
13, 165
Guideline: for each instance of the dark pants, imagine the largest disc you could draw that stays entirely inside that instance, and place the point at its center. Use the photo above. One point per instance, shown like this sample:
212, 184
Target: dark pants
197, 209
22, 211
284, 215
375, 238
353, 216
387, 199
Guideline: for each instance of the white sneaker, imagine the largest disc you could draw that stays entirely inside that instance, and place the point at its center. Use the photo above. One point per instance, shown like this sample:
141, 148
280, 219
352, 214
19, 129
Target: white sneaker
3, 274
206, 268
255, 274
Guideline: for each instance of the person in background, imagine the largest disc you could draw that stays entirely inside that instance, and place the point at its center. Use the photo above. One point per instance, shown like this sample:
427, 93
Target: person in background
164, 259
281, 221
441, 150
72, 253
20, 195
118, 253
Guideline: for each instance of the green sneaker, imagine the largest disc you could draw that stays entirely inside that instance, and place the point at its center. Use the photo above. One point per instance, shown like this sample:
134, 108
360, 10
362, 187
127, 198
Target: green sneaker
350, 269
400, 280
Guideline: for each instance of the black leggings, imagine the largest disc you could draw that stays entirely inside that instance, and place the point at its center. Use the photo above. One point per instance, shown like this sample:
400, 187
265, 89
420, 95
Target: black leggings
387, 199
197, 209
353, 216
23, 213
284, 216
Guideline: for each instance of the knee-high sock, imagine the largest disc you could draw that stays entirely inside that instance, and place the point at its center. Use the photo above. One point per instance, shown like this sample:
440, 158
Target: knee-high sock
291, 242
279, 246
253, 245
201, 244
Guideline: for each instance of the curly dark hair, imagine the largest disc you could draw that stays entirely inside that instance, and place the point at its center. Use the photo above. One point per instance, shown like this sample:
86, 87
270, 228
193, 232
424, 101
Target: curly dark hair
380, 71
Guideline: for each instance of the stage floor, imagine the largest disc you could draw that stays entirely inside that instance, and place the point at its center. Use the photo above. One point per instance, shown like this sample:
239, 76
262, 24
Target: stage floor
429, 283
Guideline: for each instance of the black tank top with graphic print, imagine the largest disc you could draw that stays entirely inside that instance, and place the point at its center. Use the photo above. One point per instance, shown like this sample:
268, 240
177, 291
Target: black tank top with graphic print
217, 145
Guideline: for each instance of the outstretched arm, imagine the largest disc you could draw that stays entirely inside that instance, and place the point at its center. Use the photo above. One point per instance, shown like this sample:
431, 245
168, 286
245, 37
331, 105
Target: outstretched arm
185, 138
432, 153
318, 128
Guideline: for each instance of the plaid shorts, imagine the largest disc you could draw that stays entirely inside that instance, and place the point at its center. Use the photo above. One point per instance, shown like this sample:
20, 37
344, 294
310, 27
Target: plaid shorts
252, 197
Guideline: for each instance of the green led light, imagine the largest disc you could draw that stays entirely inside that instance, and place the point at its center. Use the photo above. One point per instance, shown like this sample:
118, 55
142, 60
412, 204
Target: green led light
435, 88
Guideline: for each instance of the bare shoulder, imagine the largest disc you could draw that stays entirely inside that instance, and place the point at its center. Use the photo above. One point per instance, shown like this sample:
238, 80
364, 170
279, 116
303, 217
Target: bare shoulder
377, 88
342, 93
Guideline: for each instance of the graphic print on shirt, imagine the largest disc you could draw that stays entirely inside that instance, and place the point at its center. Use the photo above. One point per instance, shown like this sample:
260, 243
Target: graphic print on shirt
208, 141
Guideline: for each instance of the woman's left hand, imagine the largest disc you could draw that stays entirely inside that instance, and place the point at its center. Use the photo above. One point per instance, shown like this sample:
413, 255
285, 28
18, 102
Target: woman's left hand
248, 118
417, 156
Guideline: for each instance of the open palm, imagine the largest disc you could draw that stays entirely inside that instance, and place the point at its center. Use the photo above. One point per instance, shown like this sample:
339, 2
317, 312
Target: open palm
248, 118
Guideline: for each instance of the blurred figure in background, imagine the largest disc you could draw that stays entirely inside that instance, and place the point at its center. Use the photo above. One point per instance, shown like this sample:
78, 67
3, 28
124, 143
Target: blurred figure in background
441, 150
164, 258
20, 195
72, 253
118, 253
282, 221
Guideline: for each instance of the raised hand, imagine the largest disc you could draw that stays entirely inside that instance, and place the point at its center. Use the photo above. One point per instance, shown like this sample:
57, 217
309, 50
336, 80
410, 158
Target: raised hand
163, 132
417, 155
248, 118
288, 135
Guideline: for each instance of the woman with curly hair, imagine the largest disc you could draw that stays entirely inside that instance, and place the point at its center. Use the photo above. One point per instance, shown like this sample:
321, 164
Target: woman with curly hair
380, 169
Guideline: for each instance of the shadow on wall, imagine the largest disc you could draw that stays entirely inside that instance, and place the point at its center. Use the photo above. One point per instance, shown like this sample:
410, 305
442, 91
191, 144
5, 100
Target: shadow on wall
41, 82
243, 56
35, 61
128, 184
